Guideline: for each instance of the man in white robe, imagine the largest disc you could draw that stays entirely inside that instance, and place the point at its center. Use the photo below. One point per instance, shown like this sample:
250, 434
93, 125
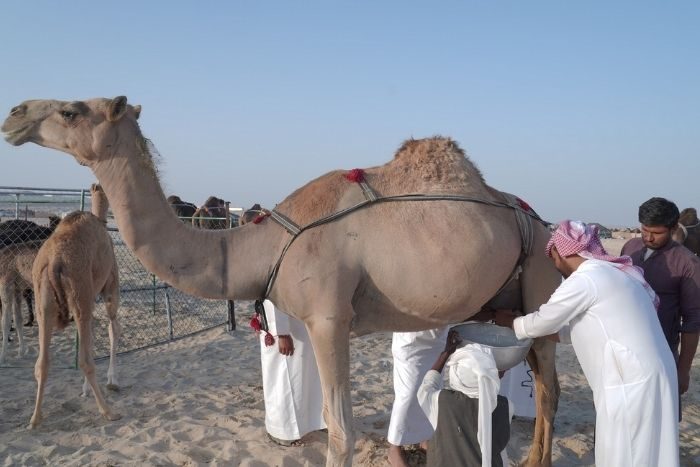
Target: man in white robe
414, 353
291, 383
608, 311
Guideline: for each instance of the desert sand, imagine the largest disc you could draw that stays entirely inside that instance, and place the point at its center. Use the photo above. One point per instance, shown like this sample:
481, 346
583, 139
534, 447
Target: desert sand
198, 401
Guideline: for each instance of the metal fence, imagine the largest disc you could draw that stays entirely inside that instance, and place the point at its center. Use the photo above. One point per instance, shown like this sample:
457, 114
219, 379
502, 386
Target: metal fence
151, 312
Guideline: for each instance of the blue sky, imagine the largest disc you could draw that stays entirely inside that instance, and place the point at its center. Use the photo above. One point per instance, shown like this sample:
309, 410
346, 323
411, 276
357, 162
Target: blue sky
584, 109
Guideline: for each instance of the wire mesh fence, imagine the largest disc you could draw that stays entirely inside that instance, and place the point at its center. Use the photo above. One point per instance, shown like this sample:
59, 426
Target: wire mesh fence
151, 312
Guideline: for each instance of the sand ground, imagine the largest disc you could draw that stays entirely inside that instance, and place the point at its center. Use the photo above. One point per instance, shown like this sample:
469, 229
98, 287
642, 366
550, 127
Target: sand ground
198, 401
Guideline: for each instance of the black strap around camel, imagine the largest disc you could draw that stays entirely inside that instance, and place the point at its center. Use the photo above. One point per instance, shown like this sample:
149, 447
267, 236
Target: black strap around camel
523, 215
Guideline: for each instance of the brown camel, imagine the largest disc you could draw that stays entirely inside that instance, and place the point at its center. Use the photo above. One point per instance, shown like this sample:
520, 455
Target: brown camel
688, 231
213, 214
73, 266
371, 270
183, 209
250, 214
15, 277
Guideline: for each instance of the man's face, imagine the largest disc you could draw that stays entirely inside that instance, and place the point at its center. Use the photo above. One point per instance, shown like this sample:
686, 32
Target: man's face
656, 236
560, 263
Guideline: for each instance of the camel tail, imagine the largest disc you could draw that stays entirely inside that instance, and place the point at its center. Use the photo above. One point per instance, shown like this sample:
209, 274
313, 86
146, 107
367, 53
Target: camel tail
59, 287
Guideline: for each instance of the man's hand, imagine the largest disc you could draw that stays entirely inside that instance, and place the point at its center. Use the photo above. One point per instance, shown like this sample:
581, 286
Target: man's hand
286, 345
453, 341
505, 318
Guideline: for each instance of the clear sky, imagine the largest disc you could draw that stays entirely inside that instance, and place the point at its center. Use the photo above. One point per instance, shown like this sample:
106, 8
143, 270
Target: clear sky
584, 109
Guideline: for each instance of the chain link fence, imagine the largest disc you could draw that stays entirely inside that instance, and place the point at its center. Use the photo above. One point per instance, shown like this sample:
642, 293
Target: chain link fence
150, 312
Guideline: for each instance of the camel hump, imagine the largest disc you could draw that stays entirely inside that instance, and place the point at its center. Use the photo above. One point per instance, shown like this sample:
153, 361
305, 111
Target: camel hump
437, 158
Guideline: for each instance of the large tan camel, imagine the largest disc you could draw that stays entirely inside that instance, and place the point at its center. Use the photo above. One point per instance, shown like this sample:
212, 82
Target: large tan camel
688, 231
371, 270
73, 266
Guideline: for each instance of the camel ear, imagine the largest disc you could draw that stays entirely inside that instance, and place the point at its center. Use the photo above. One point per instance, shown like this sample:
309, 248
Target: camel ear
116, 108
137, 110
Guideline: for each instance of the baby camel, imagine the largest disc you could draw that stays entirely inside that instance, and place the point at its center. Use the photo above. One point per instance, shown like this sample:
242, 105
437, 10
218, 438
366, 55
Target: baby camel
75, 265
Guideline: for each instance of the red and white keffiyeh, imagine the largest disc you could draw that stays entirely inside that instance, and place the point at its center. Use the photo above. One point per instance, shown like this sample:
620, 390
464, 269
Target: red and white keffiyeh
577, 238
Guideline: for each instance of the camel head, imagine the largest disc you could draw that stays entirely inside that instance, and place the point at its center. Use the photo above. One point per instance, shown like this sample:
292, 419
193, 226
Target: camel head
84, 129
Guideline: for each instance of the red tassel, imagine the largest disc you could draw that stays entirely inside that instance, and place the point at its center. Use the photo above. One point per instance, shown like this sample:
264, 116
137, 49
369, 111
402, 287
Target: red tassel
255, 323
524, 205
269, 340
356, 175
261, 217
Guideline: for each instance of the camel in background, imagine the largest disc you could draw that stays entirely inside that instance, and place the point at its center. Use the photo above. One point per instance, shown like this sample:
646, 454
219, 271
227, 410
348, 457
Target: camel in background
250, 214
73, 267
688, 231
371, 270
183, 209
213, 214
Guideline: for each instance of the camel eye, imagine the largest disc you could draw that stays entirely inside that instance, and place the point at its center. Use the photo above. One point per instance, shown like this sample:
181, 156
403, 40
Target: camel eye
68, 115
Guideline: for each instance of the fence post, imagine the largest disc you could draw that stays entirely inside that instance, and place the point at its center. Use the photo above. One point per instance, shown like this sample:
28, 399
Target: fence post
16, 205
231, 316
153, 278
169, 314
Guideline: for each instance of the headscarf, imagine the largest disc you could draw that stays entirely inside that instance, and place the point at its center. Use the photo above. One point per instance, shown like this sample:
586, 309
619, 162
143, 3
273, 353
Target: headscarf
472, 371
577, 238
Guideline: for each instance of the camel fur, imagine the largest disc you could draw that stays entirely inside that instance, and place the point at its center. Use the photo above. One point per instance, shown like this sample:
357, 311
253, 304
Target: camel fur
73, 267
403, 266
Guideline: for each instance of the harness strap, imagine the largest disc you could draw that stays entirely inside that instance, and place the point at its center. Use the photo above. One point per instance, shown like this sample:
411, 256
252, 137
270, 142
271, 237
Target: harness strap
291, 227
514, 203
684, 229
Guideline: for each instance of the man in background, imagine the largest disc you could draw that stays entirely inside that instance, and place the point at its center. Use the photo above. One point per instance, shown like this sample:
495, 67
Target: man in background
673, 272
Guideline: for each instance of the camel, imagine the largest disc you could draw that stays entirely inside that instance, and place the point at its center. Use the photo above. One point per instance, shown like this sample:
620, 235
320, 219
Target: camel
73, 266
183, 209
250, 214
15, 277
366, 271
17, 231
213, 214
688, 231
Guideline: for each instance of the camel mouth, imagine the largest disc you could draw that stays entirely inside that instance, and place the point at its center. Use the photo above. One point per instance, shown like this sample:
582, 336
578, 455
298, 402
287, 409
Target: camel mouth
16, 137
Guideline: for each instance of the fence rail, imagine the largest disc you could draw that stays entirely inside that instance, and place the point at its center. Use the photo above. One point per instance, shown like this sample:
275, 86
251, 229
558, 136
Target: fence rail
151, 312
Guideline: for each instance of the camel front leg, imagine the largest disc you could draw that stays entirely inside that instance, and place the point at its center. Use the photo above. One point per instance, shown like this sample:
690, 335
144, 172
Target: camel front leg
7, 300
542, 361
17, 296
331, 342
110, 294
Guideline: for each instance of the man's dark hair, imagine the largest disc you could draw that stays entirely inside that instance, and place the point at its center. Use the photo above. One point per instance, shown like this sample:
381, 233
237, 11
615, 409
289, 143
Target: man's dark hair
659, 211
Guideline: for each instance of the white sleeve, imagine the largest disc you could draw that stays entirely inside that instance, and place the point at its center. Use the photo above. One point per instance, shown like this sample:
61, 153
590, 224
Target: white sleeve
428, 394
574, 296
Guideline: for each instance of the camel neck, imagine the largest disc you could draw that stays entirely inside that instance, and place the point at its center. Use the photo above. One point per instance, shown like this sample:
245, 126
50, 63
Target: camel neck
207, 263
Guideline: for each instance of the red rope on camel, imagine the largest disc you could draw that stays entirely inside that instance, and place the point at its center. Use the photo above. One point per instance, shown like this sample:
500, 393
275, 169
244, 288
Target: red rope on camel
261, 217
356, 175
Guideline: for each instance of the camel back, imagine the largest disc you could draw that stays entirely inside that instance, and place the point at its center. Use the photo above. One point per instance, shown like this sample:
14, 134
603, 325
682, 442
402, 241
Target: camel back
435, 165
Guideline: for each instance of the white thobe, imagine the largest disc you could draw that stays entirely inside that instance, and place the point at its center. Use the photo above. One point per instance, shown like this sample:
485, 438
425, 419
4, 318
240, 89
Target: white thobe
623, 353
291, 385
414, 353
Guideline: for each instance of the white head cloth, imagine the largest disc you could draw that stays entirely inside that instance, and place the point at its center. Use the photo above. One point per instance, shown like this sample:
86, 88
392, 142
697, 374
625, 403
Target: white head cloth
472, 371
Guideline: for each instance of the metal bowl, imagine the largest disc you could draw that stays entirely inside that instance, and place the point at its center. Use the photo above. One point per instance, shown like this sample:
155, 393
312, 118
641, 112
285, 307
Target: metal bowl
507, 349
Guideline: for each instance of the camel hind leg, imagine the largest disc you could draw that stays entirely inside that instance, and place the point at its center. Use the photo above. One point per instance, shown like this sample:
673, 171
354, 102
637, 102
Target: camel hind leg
83, 317
46, 311
110, 294
17, 295
541, 359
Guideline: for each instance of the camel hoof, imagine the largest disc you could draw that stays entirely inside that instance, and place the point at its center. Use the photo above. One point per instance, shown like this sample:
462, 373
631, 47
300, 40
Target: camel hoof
113, 387
112, 416
34, 423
